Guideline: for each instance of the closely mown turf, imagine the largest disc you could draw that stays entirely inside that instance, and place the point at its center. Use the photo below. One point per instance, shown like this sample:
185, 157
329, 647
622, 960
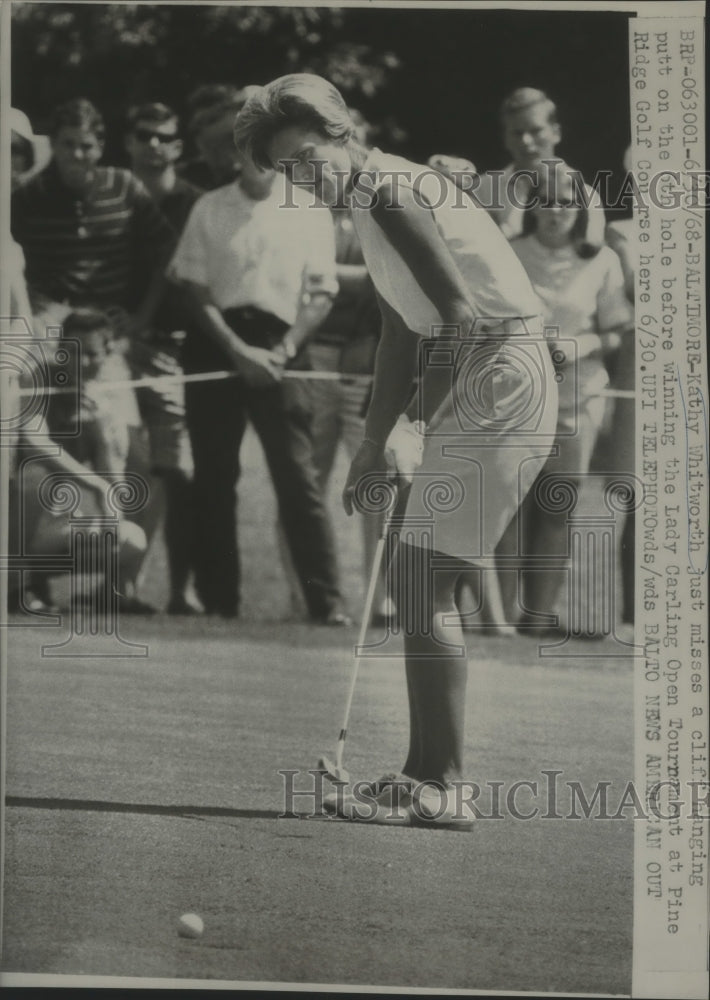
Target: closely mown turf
142, 788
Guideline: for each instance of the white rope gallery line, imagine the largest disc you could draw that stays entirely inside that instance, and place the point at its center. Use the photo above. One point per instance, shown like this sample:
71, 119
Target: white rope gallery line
218, 376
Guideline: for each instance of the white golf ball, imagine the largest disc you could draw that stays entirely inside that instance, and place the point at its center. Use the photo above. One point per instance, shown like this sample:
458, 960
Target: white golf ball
189, 925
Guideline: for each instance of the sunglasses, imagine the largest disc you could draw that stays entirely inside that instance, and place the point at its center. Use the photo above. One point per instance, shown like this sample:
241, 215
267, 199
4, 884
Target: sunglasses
146, 134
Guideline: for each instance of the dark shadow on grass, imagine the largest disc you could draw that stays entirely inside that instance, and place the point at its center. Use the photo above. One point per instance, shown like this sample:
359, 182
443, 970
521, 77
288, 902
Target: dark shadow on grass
225, 812
145, 808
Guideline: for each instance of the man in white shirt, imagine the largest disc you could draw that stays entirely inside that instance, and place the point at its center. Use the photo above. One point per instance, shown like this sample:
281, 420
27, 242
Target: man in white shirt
259, 267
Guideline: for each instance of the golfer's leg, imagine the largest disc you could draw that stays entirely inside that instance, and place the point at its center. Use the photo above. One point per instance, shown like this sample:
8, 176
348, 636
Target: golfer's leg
436, 667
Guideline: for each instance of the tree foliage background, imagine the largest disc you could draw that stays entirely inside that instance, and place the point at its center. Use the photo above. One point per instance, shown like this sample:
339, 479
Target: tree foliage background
431, 80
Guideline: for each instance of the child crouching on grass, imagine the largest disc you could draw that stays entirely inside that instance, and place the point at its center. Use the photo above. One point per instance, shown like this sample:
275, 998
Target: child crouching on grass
84, 437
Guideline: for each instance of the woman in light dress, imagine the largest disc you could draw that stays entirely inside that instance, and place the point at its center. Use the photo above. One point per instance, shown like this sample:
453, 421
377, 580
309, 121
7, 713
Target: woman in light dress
581, 287
457, 310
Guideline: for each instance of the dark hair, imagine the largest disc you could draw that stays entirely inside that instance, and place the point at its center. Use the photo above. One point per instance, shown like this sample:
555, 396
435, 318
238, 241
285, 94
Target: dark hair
297, 99
154, 112
210, 102
87, 320
527, 97
78, 113
540, 196
208, 94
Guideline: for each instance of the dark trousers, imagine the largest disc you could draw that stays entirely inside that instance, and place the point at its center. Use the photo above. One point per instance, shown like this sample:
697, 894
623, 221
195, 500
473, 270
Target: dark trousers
217, 414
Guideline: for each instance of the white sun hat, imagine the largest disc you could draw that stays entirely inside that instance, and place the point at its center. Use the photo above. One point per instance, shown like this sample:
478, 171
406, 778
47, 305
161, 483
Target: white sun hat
40, 149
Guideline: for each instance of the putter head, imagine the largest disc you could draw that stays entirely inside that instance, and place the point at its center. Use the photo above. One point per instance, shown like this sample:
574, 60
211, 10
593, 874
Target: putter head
329, 770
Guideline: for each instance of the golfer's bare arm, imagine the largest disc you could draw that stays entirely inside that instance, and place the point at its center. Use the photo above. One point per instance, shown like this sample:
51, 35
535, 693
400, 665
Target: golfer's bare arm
412, 230
396, 364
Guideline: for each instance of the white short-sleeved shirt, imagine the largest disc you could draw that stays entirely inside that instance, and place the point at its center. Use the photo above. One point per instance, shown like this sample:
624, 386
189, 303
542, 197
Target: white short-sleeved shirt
498, 285
495, 193
258, 253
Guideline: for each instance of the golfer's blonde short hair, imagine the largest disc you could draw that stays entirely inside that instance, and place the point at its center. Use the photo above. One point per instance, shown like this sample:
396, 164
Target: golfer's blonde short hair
297, 99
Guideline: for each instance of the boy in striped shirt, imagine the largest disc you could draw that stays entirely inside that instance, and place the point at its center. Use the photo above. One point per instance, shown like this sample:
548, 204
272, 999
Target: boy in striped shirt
90, 234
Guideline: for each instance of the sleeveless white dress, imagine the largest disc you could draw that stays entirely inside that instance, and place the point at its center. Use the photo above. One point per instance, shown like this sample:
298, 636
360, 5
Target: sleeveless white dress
493, 433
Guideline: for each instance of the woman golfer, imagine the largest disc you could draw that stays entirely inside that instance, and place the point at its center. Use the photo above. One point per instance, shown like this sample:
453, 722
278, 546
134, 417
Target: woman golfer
459, 312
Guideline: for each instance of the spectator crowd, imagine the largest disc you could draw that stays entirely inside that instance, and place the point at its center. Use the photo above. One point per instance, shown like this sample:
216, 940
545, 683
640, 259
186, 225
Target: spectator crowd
186, 266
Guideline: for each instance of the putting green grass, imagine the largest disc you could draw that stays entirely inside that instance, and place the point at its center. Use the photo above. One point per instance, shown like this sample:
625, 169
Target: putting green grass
143, 788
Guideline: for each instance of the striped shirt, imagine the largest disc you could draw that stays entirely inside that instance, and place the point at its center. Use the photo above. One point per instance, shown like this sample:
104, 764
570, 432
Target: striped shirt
92, 248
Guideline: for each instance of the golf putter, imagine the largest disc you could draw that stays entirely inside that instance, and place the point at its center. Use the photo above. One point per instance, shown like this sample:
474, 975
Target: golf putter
334, 770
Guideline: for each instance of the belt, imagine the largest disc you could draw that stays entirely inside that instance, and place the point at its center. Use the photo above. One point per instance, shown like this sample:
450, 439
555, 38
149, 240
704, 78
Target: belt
512, 327
249, 313
256, 326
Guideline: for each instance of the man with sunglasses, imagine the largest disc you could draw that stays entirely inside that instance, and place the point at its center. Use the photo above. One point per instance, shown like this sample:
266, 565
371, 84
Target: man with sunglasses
154, 145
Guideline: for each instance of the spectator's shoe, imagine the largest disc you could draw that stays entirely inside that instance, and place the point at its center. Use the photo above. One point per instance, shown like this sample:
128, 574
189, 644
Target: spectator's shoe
31, 604
135, 606
38, 606
532, 626
181, 606
334, 619
383, 619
